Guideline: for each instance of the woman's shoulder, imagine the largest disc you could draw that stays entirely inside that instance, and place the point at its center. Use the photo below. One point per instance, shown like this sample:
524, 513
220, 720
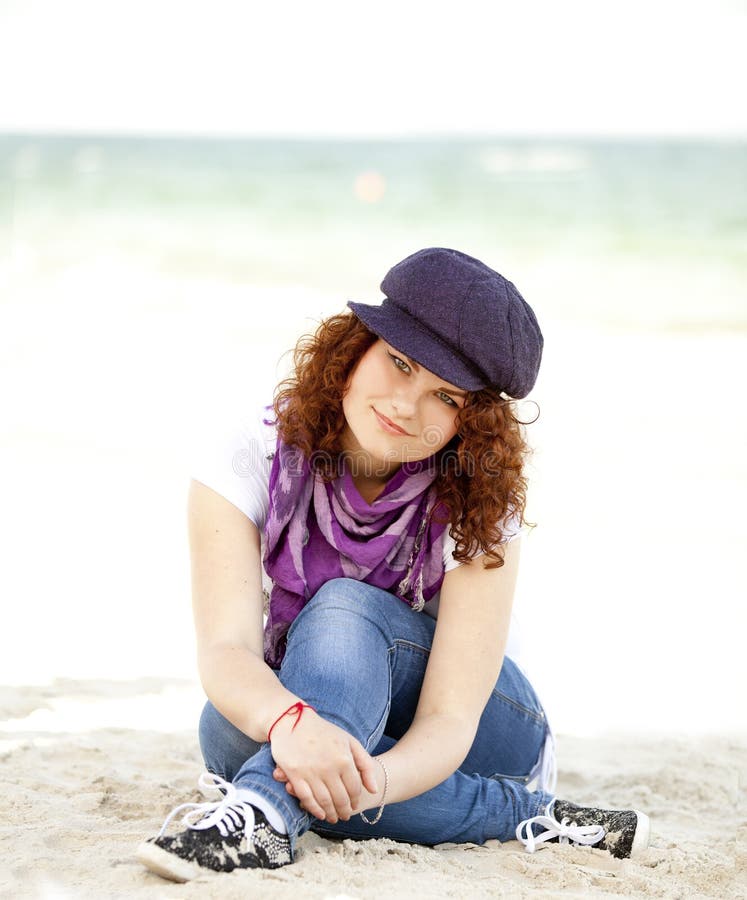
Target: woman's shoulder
260, 421
234, 457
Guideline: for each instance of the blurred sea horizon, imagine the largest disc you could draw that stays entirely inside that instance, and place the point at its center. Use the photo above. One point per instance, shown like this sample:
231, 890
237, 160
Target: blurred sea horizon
641, 234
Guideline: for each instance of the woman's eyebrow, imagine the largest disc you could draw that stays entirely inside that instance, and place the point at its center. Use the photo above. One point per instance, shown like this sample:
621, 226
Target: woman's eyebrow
449, 391
453, 392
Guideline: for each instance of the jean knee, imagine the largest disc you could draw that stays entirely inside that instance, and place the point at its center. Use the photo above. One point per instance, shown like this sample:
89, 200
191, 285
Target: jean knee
336, 599
338, 591
345, 619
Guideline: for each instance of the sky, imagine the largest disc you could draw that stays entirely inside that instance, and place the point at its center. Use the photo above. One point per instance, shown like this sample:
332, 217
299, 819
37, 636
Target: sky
332, 68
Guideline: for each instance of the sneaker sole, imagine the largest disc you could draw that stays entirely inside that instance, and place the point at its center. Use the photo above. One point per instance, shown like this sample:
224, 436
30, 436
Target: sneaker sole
642, 834
166, 864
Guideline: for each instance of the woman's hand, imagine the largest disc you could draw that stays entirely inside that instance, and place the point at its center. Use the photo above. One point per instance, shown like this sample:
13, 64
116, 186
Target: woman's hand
323, 766
368, 799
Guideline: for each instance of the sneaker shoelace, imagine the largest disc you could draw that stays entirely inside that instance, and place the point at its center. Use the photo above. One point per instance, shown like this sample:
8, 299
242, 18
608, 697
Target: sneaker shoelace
565, 831
228, 814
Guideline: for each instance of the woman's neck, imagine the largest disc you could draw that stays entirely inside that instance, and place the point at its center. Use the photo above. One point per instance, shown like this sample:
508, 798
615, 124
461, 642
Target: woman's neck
362, 467
369, 487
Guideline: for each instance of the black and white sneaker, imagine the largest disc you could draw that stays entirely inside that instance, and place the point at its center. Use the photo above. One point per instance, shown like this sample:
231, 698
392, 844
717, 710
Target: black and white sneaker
623, 833
229, 834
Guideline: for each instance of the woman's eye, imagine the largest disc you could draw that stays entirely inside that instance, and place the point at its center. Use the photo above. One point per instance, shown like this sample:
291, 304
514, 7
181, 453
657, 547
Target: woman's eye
399, 363
450, 400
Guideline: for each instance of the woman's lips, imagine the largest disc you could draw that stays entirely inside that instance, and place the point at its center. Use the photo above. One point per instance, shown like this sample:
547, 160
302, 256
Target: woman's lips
388, 425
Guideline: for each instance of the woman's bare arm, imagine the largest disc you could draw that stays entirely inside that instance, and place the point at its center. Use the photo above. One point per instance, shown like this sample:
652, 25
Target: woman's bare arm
330, 767
227, 604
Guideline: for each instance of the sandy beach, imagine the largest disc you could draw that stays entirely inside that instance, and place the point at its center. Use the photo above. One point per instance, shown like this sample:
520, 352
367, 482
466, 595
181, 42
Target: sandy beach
80, 801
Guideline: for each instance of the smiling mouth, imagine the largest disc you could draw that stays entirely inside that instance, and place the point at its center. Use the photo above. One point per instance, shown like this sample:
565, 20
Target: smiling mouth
389, 425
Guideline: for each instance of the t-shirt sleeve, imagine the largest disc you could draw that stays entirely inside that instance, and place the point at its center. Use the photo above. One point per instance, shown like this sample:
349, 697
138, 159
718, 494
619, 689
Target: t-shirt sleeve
234, 459
511, 532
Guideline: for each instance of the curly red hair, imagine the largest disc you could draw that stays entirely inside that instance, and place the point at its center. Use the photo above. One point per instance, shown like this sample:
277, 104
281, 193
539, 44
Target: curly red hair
480, 477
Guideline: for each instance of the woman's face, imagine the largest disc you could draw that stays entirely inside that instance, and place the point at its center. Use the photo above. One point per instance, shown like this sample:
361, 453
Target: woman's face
396, 411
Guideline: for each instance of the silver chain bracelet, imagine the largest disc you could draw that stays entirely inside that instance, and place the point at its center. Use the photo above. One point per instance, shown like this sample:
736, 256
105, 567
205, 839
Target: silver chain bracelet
383, 796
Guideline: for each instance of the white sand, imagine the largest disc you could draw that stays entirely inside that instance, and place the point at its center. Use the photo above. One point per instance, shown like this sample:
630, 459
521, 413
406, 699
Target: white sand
80, 801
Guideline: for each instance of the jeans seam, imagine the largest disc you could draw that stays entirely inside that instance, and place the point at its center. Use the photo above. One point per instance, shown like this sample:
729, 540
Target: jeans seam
538, 717
519, 779
381, 724
409, 645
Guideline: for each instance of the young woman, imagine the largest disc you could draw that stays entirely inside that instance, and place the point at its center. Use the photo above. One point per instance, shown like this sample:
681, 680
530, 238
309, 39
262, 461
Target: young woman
384, 511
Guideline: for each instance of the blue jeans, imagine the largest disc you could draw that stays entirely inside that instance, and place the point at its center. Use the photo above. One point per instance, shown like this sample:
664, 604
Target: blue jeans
358, 654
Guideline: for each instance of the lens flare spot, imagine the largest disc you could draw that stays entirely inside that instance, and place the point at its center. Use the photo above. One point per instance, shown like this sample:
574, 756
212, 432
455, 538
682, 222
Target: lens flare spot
369, 187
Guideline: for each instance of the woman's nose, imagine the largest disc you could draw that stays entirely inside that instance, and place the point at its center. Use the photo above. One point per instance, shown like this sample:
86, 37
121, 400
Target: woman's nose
404, 403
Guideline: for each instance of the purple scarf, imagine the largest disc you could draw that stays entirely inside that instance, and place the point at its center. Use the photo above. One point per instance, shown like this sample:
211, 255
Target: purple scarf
317, 531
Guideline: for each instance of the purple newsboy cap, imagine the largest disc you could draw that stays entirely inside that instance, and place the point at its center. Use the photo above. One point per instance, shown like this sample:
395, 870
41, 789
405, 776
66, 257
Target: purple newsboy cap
460, 319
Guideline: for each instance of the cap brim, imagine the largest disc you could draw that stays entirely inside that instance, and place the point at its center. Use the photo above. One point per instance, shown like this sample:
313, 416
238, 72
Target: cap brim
412, 338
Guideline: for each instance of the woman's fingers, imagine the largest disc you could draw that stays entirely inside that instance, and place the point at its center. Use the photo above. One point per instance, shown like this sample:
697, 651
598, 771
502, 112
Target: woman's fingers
315, 797
324, 799
307, 799
351, 781
341, 798
367, 766
343, 803
329, 799
345, 792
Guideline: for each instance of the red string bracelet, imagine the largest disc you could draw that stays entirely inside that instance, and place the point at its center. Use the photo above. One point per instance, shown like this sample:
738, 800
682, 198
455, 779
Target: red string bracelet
297, 710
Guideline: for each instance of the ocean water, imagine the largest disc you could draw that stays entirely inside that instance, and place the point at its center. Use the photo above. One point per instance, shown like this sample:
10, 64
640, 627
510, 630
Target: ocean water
639, 234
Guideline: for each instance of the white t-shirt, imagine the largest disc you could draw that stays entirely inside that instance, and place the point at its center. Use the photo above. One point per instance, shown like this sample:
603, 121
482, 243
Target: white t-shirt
237, 466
